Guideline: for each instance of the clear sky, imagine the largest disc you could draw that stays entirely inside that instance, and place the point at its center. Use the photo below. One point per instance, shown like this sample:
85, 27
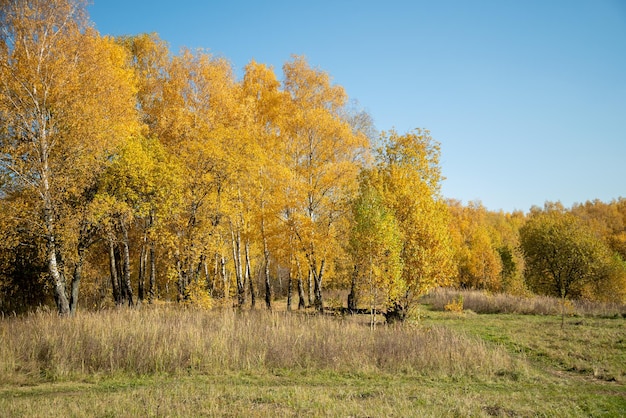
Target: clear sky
526, 97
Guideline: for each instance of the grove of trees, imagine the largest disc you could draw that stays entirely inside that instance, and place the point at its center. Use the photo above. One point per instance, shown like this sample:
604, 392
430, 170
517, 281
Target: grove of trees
130, 174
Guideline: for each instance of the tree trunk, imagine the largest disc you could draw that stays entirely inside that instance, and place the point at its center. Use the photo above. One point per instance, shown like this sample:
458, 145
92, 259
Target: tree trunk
266, 256
143, 261
78, 273
207, 277
56, 276
181, 281
352, 296
60, 295
141, 276
236, 245
225, 278
126, 262
152, 261
289, 290
249, 277
123, 297
152, 281
113, 269
268, 287
301, 303
317, 281
216, 271
309, 288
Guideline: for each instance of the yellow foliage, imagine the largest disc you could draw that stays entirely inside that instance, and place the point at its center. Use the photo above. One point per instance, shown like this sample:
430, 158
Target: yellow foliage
455, 305
409, 179
198, 296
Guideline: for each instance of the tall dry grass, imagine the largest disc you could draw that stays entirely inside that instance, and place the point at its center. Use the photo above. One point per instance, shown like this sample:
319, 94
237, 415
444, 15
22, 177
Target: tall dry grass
492, 303
172, 341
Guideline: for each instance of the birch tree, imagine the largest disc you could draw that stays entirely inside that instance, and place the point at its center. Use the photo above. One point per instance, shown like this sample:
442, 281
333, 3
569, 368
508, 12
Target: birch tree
324, 155
409, 179
66, 101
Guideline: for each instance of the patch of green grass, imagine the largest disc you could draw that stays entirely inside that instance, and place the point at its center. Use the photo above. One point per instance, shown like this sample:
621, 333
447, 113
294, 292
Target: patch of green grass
586, 347
312, 394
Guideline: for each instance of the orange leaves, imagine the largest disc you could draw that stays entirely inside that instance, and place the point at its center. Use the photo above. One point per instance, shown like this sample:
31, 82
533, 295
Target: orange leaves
476, 252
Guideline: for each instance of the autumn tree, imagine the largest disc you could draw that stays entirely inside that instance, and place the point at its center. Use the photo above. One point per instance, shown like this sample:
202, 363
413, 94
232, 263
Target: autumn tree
323, 157
150, 58
140, 184
375, 245
478, 261
266, 172
410, 182
196, 123
607, 220
505, 227
562, 254
67, 99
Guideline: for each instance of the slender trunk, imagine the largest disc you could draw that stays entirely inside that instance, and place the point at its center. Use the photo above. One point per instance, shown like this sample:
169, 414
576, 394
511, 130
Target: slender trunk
143, 261
309, 288
56, 276
225, 278
289, 290
249, 277
190, 270
207, 277
78, 273
152, 281
113, 270
236, 246
121, 289
301, 303
152, 257
268, 287
60, 295
198, 270
266, 256
352, 296
181, 281
317, 281
126, 255
216, 270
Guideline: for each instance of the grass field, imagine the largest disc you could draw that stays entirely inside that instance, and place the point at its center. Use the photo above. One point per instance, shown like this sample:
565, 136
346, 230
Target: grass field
173, 362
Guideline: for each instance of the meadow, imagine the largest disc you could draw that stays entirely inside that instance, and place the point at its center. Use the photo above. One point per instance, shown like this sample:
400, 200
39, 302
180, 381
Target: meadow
172, 361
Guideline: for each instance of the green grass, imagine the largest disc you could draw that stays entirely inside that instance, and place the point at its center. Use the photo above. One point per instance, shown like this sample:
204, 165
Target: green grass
584, 347
168, 362
313, 394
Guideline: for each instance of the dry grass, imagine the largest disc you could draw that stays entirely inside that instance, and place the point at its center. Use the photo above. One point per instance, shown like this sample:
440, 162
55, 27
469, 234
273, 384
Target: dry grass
494, 303
43, 346
169, 361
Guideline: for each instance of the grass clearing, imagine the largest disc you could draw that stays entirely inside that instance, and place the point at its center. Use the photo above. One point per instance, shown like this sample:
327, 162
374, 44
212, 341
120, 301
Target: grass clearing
176, 362
585, 347
314, 394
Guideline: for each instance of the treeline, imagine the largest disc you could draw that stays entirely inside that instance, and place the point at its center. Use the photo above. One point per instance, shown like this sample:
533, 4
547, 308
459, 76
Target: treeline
575, 252
130, 174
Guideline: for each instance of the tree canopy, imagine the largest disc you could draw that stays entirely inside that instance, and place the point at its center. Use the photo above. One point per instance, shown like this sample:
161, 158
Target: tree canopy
131, 174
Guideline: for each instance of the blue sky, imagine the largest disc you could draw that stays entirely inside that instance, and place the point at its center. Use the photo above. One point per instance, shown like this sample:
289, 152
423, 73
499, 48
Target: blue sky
527, 98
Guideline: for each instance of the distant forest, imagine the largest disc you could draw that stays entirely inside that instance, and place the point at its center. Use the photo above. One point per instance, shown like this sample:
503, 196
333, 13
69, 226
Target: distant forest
131, 175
